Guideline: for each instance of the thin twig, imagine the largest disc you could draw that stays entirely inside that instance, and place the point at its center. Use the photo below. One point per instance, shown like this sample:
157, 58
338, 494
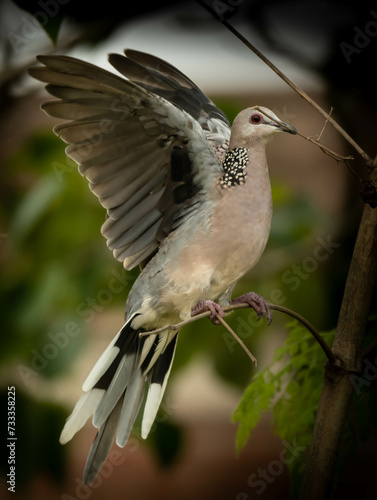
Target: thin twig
289, 82
330, 355
324, 126
325, 149
233, 333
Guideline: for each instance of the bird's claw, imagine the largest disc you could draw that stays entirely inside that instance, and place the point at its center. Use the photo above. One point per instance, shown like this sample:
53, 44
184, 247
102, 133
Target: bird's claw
257, 302
209, 305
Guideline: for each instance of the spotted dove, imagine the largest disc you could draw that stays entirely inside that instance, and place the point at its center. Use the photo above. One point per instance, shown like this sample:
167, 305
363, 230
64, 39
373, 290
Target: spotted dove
188, 199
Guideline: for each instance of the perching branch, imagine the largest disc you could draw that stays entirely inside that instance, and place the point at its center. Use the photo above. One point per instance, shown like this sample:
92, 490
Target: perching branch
330, 355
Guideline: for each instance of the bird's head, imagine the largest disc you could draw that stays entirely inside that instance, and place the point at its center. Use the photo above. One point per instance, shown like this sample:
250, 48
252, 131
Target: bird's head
256, 125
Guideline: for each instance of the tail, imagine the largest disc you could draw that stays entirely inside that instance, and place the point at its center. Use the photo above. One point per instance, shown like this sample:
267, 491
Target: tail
114, 392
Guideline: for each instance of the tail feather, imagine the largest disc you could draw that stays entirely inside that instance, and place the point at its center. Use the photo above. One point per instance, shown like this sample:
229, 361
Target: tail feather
108, 356
114, 391
84, 409
101, 445
158, 380
133, 398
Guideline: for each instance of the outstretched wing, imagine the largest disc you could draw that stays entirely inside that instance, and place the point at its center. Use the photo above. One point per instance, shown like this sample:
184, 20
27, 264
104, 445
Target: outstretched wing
150, 146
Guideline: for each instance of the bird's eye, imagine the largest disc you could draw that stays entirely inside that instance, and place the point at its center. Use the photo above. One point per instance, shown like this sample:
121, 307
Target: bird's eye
256, 118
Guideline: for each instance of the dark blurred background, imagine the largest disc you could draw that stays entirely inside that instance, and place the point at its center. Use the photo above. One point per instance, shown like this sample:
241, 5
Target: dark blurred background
62, 294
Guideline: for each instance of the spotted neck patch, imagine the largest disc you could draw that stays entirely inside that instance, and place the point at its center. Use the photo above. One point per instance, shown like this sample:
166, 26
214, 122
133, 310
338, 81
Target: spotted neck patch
234, 165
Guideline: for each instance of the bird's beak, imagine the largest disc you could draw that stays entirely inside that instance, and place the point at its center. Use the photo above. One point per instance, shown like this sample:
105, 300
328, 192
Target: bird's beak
284, 127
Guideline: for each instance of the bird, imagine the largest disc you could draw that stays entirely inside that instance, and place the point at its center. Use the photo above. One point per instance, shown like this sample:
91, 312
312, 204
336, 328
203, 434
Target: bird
187, 199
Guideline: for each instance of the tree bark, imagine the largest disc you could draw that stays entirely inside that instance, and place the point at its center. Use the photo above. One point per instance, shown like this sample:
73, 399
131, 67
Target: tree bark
337, 389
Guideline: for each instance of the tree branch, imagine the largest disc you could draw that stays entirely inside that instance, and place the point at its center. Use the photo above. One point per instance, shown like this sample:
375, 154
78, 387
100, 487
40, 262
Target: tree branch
337, 389
227, 309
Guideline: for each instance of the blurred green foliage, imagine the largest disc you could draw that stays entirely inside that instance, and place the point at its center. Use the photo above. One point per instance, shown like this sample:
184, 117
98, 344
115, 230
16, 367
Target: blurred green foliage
53, 257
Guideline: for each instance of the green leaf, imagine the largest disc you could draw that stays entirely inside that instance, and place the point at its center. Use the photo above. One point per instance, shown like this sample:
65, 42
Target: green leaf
255, 401
289, 387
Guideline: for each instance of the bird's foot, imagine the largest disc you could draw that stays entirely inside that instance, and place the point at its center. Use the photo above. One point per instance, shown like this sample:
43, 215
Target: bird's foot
257, 302
209, 305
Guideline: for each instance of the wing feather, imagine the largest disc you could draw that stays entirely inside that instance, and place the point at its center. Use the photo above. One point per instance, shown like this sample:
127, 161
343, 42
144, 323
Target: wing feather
147, 144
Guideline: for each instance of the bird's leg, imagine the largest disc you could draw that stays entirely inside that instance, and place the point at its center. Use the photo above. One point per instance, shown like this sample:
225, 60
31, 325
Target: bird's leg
257, 302
209, 305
